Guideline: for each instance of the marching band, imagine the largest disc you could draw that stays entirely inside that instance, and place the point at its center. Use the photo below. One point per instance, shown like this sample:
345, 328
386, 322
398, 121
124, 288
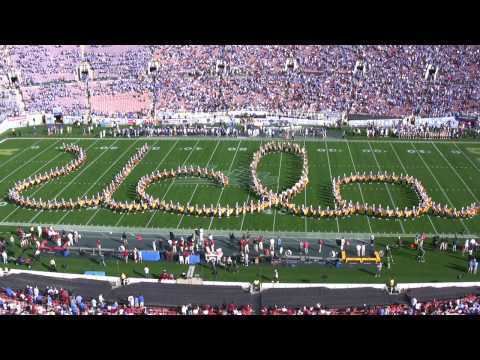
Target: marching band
268, 198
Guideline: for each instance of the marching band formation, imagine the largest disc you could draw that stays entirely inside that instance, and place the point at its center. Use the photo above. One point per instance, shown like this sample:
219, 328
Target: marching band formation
268, 198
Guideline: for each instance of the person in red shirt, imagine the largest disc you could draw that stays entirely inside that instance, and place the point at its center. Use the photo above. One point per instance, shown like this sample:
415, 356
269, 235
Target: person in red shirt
306, 245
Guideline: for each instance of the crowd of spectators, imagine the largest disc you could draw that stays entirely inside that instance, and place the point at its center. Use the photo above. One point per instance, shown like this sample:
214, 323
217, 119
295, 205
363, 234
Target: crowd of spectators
253, 78
52, 301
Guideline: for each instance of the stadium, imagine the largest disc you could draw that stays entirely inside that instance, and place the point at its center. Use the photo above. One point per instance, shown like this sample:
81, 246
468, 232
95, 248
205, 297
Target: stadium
239, 179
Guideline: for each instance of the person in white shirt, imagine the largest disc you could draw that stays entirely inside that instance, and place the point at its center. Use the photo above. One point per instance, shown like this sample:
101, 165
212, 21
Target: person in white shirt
4, 257
140, 257
342, 244
465, 248
154, 245
363, 249
12, 239
70, 239
146, 270
272, 244
359, 250
39, 231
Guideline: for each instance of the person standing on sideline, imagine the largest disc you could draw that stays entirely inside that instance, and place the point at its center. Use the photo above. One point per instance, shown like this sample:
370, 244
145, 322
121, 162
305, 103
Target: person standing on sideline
379, 269
146, 270
102, 260
475, 266
53, 265
364, 248
4, 257
454, 244
306, 245
140, 257
154, 245
275, 276
320, 245
272, 244
99, 247
465, 248
359, 250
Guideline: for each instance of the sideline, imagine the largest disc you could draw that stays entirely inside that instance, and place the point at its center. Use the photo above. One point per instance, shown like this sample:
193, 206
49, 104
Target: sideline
115, 281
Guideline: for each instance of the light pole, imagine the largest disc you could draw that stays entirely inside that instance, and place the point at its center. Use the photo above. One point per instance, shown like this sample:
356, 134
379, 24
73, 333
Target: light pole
152, 71
84, 74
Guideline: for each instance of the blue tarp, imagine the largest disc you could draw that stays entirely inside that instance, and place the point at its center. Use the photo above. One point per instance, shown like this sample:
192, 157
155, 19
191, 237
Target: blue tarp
95, 273
194, 259
150, 255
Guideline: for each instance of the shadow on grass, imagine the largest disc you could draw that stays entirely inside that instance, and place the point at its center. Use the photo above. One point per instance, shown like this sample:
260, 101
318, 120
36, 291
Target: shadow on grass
366, 271
457, 267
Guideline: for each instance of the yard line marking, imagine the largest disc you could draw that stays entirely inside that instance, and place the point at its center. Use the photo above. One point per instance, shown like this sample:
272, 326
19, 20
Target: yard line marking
105, 172
196, 186
278, 186
15, 156
156, 168
359, 187
248, 198
305, 200
456, 172
405, 169
440, 186
386, 187
39, 188
2, 141
468, 158
70, 183
28, 162
223, 188
331, 178
173, 181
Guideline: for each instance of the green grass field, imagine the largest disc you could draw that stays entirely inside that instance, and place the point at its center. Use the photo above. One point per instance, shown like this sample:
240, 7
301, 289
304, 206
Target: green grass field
450, 171
439, 267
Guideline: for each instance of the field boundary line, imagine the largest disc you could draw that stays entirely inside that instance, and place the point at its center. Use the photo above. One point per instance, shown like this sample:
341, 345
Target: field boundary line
331, 179
406, 172
223, 188
359, 186
456, 172
439, 186
245, 138
196, 186
173, 182
227, 232
42, 185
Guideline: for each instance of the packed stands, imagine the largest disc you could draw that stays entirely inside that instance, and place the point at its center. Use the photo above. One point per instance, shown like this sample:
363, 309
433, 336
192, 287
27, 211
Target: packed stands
255, 78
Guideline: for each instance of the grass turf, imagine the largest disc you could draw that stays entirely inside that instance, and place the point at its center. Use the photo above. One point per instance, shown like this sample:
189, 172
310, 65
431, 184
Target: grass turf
439, 266
449, 171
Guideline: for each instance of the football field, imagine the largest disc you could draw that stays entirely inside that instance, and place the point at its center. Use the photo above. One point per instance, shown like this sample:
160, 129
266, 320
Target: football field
449, 170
